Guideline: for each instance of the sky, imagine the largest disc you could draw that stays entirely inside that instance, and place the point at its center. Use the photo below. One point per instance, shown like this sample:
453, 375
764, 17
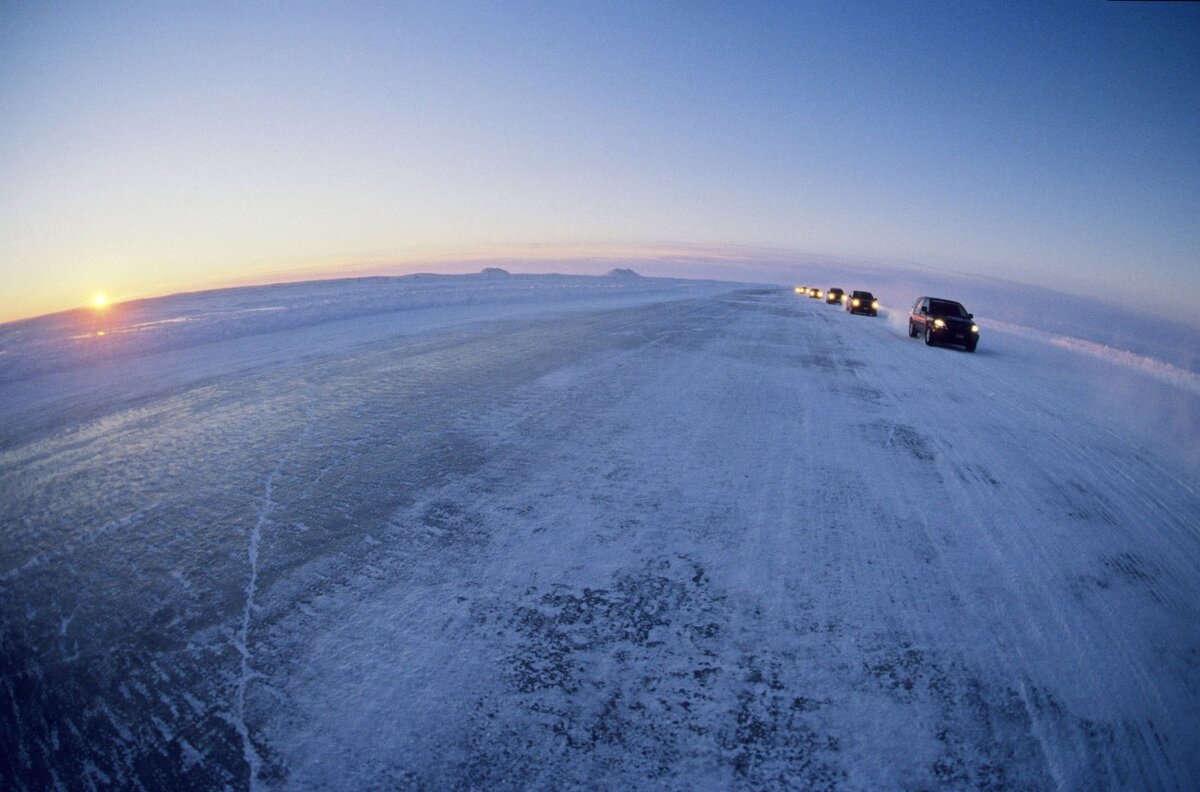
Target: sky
160, 147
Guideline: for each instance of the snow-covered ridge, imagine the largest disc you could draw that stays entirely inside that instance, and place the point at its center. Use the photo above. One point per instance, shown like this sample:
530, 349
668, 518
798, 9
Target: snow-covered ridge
1159, 369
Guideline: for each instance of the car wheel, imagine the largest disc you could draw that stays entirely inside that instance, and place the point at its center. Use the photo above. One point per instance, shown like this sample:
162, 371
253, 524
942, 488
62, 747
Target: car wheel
912, 331
971, 347
928, 337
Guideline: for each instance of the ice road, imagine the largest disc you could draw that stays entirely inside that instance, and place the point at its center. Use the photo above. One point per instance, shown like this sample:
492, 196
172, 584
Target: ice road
607, 533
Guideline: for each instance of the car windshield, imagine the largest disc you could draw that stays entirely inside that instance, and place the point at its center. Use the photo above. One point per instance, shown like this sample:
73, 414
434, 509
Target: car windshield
863, 295
944, 308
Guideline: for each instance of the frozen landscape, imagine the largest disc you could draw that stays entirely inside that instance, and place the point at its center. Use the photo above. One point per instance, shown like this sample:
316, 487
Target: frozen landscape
551, 532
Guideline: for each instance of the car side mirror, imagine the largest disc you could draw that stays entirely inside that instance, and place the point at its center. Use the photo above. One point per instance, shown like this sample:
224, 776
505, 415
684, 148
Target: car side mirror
970, 316
923, 309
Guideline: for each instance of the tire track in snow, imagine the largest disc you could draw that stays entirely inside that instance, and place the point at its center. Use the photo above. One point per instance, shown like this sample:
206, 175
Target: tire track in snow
1040, 442
856, 619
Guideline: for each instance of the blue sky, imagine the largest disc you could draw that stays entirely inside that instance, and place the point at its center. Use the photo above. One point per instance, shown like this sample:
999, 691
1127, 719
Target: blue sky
149, 148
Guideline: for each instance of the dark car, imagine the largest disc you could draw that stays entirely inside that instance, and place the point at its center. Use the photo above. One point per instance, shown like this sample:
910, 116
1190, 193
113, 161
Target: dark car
834, 296
815, 293
942, 322
862, 302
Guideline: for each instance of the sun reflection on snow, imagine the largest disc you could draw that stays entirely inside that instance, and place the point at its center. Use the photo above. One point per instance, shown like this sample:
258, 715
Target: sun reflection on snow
96, 322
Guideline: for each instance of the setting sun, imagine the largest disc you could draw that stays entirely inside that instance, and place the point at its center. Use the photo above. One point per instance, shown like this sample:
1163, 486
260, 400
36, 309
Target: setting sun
100, 301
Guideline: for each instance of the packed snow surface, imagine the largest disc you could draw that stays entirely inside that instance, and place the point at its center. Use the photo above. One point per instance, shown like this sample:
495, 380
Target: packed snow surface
548, 532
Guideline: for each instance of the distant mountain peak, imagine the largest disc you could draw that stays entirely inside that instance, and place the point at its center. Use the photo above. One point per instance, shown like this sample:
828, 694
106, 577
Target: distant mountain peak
495, 271
622, 272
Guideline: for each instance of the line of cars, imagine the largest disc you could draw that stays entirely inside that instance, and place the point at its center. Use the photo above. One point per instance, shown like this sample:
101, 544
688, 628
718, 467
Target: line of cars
938, 321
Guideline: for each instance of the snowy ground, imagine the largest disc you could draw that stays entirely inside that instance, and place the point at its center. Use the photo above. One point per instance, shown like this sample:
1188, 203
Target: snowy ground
543, 533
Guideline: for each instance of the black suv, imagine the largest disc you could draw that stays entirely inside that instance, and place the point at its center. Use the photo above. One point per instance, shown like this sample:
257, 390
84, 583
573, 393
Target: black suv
834, 296
862, 302
942, 322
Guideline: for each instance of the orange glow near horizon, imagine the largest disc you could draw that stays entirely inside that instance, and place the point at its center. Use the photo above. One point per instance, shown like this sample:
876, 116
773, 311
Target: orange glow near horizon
140, 281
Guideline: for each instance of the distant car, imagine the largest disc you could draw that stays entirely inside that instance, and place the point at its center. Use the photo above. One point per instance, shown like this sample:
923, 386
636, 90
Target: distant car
801, 290
943, 322
835, 296
862, 302
814, 293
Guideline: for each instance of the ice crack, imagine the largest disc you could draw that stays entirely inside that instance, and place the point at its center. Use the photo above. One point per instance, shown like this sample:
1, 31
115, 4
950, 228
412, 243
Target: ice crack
241, 640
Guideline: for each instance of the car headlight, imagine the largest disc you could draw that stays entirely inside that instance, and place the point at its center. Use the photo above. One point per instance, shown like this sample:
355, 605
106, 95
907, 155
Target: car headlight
874, 303
938, 323
974, 328
855, 302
